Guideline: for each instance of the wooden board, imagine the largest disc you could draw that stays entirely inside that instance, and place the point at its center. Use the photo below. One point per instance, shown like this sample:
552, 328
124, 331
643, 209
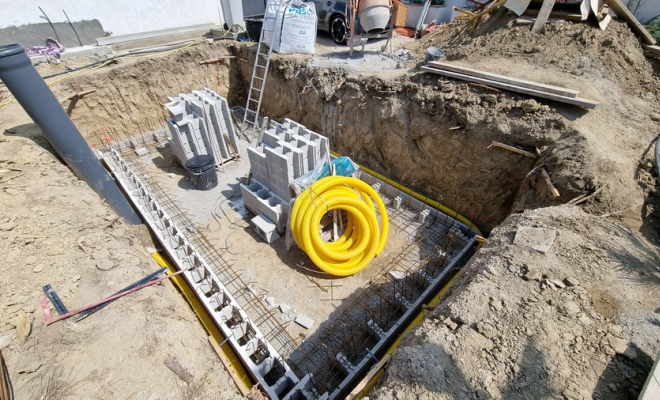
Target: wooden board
505, 79
556, 14
622, 12
543, 16
654, 50
401, 12
372, 373
232, 372
577, 101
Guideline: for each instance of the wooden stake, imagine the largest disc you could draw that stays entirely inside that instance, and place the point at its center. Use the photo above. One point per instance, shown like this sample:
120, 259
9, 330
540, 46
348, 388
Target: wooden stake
551, 186
78, 95
582, 199
231, 147
232, 372
372, 373
543, 16
513, 149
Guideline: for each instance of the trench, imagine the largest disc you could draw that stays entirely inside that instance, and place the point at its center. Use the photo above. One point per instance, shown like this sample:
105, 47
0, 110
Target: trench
421, 132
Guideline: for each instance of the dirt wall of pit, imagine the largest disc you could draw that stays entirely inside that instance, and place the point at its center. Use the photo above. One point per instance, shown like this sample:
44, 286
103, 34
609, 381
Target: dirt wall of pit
129, 97
428, 133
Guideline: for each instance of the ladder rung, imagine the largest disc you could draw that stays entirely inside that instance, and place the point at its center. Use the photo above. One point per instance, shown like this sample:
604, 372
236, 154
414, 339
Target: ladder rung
256, 77
256, 101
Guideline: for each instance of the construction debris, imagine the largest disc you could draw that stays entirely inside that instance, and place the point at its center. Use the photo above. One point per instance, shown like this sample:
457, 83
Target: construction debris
514, 149
304, 321
548, 181
512, 84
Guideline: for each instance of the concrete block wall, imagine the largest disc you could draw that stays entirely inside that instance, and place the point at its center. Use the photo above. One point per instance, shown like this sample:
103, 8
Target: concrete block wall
258, 199
201, 124
286, 152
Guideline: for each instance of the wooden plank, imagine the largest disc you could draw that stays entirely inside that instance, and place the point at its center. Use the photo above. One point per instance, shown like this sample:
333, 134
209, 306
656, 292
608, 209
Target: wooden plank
655, 50
622, 12
543, 16
4, 385
577, 101
513, 149
506, 79
548, 181
372, 372
556, 14
232, 372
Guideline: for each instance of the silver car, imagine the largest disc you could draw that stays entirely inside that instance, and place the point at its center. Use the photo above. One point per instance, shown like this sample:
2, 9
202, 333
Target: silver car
332, 19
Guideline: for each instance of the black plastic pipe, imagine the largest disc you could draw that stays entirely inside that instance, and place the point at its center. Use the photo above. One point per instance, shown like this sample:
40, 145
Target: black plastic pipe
31, 91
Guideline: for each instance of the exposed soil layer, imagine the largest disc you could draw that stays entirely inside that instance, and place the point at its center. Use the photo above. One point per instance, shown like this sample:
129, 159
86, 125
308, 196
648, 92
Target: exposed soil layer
431, 132
576, 322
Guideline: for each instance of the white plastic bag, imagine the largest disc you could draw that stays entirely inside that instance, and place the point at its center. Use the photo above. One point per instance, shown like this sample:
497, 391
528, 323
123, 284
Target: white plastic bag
298, 32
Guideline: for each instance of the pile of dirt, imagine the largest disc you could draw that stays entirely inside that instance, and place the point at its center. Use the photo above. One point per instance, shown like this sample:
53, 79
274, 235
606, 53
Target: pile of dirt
556, 305
578, 48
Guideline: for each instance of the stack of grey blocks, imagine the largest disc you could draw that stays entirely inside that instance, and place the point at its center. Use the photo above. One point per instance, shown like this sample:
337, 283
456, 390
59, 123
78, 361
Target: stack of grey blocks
286, 152
200, 123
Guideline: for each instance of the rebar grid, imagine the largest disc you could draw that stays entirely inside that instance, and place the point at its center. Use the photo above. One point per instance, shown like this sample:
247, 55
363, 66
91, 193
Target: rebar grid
263, 318
347, 340
332, 353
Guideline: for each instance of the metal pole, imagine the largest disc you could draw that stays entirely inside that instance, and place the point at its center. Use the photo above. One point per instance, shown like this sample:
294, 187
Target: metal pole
31, 91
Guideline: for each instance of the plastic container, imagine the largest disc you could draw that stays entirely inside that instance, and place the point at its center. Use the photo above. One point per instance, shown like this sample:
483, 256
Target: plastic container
434, 54
253, 27
202, 172
374, 15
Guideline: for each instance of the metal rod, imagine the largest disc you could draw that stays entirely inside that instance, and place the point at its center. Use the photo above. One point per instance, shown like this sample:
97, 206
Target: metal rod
74, 29
51, 24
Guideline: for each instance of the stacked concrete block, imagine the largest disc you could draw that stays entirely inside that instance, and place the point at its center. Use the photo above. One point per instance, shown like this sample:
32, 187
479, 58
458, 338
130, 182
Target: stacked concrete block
200, 124
279, 162
286, 152
258, 164
258, 199
265, 228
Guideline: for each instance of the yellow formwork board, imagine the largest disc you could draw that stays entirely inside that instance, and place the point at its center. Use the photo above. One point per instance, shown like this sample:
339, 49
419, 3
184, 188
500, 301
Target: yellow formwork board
208, 323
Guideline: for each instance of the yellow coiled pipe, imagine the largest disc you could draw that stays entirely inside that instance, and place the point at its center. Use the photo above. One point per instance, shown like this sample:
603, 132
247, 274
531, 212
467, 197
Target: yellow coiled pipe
362, 240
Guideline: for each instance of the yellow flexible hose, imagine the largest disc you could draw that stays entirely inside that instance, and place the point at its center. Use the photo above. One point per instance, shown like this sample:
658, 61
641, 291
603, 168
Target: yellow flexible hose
362, 240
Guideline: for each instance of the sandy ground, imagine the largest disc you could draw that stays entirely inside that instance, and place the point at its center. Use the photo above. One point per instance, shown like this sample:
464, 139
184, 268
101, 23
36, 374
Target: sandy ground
55, 230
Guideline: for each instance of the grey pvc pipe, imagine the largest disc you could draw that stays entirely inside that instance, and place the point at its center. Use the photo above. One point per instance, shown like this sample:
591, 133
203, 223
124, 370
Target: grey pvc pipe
31, 91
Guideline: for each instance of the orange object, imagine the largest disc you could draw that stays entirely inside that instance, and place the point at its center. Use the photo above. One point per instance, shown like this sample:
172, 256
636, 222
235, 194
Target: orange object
410, 32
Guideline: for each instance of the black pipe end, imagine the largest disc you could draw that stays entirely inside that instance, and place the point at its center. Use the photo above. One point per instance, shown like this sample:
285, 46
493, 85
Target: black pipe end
7, 50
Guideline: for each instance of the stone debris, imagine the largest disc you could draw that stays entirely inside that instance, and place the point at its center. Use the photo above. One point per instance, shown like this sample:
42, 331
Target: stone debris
284, 309
304, 321
396, 275
539, 239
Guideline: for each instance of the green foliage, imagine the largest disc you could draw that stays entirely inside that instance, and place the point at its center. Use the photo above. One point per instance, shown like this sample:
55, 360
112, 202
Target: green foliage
654, 28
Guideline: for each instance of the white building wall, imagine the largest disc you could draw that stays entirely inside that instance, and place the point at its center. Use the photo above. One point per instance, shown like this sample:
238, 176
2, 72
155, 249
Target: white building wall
117, 16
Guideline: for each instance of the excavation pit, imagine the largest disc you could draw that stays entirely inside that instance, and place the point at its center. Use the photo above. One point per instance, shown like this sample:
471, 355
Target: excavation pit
394, 137
328, 328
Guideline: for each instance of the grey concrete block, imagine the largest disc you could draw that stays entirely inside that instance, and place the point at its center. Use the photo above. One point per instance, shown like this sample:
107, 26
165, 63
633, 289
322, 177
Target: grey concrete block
265, 228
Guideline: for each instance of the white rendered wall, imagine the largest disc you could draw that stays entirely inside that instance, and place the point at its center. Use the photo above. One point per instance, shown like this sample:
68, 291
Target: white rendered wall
117, 16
